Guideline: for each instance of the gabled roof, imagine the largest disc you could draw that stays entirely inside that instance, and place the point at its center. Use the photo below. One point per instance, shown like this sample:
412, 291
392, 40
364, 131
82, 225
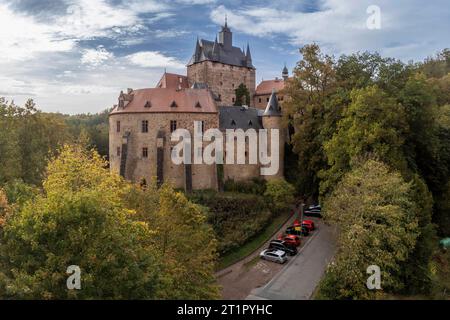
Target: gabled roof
239, 118
173, 81
214, 51
266, 86
161, 100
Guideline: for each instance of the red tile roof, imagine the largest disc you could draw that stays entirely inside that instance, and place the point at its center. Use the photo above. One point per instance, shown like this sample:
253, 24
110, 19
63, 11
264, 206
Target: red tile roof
265, 87
162, 100
173, 81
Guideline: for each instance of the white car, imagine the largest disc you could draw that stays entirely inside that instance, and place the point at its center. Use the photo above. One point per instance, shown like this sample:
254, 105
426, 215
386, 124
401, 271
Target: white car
274, 255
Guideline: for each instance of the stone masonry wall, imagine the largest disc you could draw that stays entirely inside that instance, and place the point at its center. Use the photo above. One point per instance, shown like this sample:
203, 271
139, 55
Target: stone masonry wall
138, 167
223, 79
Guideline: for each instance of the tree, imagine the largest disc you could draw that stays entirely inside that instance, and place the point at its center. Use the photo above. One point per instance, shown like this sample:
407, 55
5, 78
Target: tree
312, 84
373, 209
242, 95
182, 238
373, 124
279, 193
80, 220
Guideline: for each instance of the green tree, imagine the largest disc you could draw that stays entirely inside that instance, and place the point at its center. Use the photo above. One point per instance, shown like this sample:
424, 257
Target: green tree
280, 194
80, 220
373, 209
373, 124
242, 95
313, 83
182, 238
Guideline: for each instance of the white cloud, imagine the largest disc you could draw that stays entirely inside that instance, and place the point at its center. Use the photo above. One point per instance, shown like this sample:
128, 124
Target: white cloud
96, 57
340, 26
154, 59
22, 36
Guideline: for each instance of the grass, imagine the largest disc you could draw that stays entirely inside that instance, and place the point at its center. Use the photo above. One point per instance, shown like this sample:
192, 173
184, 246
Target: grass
245, 250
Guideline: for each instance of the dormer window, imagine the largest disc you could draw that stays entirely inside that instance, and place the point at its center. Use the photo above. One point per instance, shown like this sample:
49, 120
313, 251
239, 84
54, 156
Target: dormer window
174, 105
233, 123
198, 105
148, 105
250, 123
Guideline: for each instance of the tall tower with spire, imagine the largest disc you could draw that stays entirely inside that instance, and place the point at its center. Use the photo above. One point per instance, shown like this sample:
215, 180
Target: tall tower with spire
222, 67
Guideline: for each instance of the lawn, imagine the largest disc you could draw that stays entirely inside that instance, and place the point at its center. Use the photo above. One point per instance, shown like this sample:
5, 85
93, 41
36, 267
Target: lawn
245, 250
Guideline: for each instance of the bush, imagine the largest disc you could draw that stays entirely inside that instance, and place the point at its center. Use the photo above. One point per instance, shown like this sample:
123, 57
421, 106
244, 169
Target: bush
235, 217
254, 186
280, 194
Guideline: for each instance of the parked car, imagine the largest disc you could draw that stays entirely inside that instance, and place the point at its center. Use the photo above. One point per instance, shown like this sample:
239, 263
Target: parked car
283, 246
274, 255
313, 213
309, 224
298, 231
315, 207
292, 239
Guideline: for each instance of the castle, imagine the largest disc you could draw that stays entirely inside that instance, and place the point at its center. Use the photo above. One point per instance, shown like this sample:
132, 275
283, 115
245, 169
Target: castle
140, 125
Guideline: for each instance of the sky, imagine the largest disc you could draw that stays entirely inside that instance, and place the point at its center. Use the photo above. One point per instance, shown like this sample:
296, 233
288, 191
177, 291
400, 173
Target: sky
75, 56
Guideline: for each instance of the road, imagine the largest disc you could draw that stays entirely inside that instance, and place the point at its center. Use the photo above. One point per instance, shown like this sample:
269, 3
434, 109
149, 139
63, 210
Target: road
299, 278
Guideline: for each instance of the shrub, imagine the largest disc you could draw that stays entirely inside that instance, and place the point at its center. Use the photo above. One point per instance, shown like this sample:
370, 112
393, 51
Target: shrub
253, 186
280, 194
235, 217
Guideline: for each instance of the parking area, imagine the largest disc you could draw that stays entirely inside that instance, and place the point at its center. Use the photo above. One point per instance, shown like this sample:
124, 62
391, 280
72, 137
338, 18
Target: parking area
255, 278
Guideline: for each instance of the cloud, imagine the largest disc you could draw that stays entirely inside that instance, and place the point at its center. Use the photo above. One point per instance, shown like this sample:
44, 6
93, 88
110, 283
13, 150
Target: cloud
154, 59
96, 57
408, 29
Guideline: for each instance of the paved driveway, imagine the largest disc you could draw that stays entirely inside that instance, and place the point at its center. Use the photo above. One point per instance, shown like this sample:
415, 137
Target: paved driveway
299, 278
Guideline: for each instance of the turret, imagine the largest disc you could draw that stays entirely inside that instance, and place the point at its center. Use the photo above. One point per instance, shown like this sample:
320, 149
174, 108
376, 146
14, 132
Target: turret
248, 56
272, 120
285, 73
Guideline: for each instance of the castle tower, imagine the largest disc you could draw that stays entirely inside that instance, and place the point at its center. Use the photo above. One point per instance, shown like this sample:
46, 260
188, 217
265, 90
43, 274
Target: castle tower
272, 119
222, 67
285, 73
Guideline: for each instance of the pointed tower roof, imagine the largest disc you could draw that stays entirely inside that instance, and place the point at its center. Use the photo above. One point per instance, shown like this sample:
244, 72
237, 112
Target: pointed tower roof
272, 109
248, 56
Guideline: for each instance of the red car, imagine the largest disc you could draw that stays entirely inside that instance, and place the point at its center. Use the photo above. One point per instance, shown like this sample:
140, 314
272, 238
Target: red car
292, 240
309, 224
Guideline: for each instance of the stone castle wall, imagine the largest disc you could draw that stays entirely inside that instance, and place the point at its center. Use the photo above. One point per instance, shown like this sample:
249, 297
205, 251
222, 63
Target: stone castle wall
138, 167
223, 79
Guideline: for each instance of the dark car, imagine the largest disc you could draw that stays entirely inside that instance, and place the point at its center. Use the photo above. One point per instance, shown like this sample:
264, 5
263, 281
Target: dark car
283, 246
315, 207
295, 230
313, 213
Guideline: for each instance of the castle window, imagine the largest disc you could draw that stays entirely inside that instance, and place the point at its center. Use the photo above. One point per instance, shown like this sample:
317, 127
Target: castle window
233, 100
203, 126
144, 152
268, 99
118, 126
260, 100
221, 83
118, 151
144, 126
173, 125
232, 85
